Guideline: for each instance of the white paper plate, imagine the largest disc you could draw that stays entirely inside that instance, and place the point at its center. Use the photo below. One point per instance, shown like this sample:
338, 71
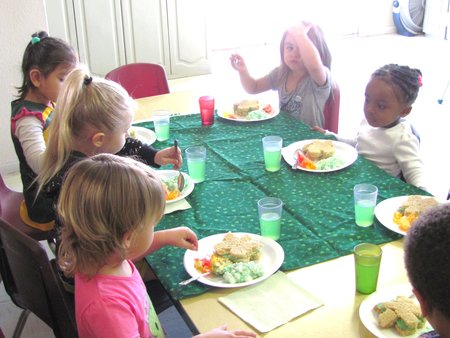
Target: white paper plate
384, 212
144, 135
188, 183
343, 150
272, 257
369, 319
231, 117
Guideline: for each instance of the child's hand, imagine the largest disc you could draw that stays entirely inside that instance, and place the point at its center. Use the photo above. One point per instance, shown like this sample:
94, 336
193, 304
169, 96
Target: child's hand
169, 156
302, 28
237, 62
320, 130
222, 332
183, 237
306, 26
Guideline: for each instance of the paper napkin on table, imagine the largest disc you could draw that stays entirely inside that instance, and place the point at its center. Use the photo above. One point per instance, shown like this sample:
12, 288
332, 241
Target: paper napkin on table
178, 205
271, 303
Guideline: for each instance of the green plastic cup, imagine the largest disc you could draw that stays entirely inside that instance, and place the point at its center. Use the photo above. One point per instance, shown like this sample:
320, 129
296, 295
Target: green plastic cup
196, 160
367, 266
161, 120
272, 152
269, 210
365, 196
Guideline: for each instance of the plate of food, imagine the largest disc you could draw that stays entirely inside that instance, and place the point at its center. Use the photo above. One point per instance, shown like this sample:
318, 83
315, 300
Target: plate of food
234, 259
399, 213
380, 313
170, 179
249, 111
142, 134
319, 155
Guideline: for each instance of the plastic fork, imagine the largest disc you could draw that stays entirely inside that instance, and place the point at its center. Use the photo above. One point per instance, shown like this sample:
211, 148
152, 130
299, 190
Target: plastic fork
190, 280
180, 180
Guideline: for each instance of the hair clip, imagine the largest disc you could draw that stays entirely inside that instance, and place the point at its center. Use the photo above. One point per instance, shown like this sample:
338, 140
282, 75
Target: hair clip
35, 40
419, 79
87, 80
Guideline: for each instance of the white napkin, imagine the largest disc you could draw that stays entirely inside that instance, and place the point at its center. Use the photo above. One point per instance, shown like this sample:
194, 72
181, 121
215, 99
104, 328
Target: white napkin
271, 303
178, 205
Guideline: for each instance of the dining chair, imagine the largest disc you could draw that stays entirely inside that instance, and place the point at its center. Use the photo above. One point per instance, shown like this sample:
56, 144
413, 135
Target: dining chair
141, 79
31, 280
331, 109
10, 202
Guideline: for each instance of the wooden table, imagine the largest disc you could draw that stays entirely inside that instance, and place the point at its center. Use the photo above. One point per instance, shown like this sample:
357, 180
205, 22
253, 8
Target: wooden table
333, 280
183, 102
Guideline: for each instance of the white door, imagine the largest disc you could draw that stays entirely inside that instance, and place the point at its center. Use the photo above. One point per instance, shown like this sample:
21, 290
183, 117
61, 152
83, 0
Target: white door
187, 38
146, 34
111, 33
61, 20
100, 34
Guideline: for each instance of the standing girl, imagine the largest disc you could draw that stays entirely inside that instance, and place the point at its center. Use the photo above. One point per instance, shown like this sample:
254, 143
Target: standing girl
303, 79
93, 116
109, 207
46, 63
385, 137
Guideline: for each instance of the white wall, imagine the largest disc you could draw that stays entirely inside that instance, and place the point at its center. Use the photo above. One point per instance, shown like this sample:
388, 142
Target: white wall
236, 23
375, 17
18, 20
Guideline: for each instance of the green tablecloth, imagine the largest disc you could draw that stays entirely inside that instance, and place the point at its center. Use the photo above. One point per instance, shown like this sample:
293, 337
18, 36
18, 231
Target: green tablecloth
318, 213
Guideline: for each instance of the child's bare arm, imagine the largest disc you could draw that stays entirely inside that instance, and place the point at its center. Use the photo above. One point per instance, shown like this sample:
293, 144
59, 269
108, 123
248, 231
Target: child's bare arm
250, 84
182, 237
310, 54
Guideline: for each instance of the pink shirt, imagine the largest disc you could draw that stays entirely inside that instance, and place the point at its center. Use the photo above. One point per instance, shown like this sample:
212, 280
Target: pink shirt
113, 306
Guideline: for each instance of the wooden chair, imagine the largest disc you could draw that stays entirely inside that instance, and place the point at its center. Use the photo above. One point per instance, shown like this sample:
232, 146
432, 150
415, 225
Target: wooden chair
141, 79
10, 201
331, 109
31, 280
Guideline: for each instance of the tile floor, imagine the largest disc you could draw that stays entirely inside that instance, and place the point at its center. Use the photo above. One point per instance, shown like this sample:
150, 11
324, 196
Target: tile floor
354, 59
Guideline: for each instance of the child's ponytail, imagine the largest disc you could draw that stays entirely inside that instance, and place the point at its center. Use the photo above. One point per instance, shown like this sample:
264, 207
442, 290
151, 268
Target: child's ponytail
61, 129
84, 104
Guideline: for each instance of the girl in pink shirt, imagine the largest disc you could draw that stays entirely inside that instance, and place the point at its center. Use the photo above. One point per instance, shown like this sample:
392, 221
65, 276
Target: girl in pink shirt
109, 206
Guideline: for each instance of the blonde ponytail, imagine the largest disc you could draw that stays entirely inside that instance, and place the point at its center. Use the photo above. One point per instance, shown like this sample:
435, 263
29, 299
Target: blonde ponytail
83, 102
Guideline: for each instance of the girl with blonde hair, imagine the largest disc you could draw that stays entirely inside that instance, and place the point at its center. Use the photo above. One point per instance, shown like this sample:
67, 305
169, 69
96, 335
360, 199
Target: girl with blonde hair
95, 117
303, 80
109, 207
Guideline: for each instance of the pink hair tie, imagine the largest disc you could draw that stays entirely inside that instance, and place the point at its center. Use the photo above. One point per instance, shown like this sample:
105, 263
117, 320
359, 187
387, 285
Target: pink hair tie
419, 79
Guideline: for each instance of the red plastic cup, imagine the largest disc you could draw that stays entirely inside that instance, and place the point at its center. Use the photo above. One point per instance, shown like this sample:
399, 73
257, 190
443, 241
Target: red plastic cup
207, 110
